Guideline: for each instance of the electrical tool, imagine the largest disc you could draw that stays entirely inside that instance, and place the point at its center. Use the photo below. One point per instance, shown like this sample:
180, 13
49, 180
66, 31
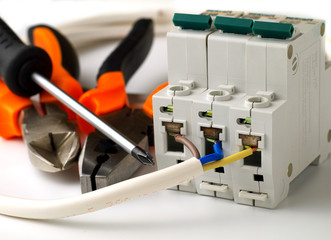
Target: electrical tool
26, 69
53, 143
102, 161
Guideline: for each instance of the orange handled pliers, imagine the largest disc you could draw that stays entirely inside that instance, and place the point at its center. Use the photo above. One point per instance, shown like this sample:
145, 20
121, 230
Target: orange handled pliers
103, 162
52, 141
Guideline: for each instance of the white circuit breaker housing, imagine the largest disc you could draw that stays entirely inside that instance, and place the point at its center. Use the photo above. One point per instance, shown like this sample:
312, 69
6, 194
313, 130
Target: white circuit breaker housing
252, 80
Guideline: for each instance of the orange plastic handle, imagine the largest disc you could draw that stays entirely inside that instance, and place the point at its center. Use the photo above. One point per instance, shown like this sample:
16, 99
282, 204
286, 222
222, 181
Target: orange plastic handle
45, 39
10, 108
148, 105
109, 96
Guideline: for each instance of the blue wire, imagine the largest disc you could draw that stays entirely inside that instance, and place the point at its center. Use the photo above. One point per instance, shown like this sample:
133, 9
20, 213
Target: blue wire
209, 158
217, 155
218, 148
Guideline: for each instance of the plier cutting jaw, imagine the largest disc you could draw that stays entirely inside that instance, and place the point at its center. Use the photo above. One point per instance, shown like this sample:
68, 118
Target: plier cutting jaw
53, 143
102, 162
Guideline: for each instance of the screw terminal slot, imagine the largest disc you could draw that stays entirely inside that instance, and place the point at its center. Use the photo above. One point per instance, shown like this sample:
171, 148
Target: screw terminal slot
255, 159
173, 128
210, 135
250, 140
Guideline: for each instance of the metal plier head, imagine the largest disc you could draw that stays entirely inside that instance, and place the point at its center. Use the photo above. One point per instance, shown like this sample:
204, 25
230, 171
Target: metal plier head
52, 142
102, 162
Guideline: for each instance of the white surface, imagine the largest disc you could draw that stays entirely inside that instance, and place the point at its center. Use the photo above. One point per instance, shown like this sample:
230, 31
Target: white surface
304, 214
136, 187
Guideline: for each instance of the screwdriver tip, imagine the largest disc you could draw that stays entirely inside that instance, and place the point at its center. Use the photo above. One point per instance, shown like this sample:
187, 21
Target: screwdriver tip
142, 156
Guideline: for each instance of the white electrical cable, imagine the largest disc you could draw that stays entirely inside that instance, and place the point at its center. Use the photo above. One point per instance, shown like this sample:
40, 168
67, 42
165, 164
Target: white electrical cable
112, 26
102, 198
82, 33
115, 19
92, 36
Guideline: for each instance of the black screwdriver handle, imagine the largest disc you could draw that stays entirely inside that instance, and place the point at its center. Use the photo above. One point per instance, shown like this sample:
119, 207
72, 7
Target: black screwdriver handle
69, 56
18, 62
131, 52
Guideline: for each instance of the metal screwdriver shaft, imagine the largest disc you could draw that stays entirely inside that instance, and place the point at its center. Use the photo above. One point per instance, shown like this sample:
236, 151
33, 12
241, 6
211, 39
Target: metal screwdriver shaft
23, 69
94, 120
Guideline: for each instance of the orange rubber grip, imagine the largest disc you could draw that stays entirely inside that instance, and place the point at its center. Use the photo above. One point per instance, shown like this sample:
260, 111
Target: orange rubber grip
45, 39
109, 96
148, 105
10, 108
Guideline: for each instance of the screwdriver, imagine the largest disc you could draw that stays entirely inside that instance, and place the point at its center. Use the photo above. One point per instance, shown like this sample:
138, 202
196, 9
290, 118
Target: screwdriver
102, 162
26, 70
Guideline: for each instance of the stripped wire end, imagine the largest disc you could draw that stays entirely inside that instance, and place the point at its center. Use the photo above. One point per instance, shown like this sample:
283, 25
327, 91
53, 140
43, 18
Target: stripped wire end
210, 140
169, 108
255, 149
209, 113
248, 121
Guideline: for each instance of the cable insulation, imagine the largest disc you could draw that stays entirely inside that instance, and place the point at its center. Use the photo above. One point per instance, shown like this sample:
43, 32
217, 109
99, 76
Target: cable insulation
217, 155
187, 143
102, 198
105, 27
228, 160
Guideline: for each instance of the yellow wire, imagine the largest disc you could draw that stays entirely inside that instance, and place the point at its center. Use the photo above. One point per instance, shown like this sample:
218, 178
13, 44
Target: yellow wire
228, 160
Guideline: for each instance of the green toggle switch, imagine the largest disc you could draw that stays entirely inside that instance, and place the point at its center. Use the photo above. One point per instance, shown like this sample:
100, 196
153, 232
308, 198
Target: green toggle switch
234, 25
192, 21
273, 30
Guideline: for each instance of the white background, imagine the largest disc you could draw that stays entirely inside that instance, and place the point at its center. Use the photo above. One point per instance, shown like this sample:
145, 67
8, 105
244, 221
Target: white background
305, 214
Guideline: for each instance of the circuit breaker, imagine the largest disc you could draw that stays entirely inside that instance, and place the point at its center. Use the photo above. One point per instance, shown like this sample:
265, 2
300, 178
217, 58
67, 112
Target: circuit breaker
246, 80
